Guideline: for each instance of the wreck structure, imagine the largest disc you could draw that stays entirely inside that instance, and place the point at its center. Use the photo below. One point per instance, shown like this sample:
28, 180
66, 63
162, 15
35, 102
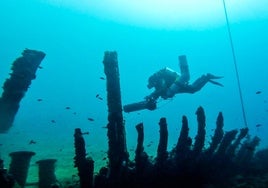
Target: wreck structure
188, 164
23, 72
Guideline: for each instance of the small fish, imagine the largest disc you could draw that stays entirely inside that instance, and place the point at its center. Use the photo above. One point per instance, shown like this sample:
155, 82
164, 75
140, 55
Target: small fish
67, 108
102, 78
32, 142
53, 121
39, 100
97, 96
258, 125
40, 67
104, 158
100, 98
148, 145
258, 92
74, 113
90, 119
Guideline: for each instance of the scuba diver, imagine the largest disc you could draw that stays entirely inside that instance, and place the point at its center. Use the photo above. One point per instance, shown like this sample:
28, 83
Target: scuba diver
167, 83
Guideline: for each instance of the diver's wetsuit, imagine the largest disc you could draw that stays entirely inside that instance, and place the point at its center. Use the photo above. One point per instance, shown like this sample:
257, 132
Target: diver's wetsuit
167, 82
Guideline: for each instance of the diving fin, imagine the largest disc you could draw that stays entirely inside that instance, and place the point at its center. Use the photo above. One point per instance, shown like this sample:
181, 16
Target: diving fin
211, 76
216, 83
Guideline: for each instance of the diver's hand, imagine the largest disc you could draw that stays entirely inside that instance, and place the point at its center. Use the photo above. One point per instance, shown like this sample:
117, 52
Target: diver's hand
151, 97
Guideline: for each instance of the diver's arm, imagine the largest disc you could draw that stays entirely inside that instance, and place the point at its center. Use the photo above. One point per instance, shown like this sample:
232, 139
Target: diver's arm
153, 96
160, 89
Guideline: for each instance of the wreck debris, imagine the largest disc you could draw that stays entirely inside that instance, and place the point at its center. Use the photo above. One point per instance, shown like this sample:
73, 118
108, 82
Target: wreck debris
218, 135
46, 173
162, 153
232, 148
19, 165
182, 150
201, 132
15, 87
228, 137
85, 165
246, 152
141, 157
117, 152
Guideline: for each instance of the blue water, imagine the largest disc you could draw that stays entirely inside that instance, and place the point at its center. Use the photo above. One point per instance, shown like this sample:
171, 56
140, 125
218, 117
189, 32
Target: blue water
75, 42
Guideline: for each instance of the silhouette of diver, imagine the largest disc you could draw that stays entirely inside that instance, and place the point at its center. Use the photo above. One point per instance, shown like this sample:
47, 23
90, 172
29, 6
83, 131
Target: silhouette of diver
167, 83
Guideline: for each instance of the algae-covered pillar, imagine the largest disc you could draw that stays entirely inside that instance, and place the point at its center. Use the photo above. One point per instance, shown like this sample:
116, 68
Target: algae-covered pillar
201, 132
84, 165
162, 153
117, 151
15, 87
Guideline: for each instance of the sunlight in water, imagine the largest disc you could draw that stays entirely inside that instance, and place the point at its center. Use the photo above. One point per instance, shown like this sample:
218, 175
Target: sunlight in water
166, 13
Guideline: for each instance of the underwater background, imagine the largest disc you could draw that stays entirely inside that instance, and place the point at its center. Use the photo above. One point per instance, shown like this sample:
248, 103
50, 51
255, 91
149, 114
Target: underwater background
75, 36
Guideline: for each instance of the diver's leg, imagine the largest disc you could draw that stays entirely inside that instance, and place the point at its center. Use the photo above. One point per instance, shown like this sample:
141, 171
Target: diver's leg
197, 84
185, 75
201, 82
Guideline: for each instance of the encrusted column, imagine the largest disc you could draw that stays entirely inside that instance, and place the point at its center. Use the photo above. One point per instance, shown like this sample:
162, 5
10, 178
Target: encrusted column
218, 135
46, 173
19, 166
141, 157
226, 142
184, 142
162, 153
84, 165
15, 87
231, 151
201, 133
117, 152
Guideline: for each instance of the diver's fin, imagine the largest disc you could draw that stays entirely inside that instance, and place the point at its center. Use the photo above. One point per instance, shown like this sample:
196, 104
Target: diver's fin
216, 83
211, 76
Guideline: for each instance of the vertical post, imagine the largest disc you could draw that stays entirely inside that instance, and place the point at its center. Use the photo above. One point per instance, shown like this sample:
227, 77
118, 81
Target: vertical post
218, 135
19, 166
162, 153
140, 148
184, 142
231, 151
141, 157
227, 139
46, 173
201, 133
246, 151
15, 87
117, 151
84, 165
